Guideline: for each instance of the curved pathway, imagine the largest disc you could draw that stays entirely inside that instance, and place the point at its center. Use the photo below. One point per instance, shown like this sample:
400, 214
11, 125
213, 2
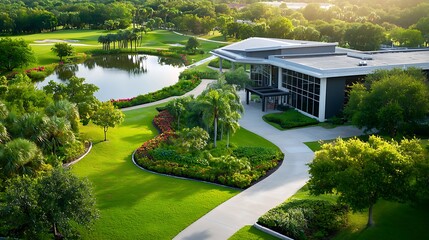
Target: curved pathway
246, 207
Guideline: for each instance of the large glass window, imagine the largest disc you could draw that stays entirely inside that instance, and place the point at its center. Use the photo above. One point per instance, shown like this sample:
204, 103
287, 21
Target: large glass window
304, 91
260, 74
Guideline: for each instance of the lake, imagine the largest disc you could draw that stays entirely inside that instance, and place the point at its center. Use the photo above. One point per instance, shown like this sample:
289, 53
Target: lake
122, 76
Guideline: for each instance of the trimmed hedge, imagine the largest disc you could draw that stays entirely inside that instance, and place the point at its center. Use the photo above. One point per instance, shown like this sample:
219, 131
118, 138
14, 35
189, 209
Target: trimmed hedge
188, 80
306, 219
290, 119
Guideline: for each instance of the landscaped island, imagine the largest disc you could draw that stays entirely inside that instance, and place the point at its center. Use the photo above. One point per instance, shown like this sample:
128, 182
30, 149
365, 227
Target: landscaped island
186, 154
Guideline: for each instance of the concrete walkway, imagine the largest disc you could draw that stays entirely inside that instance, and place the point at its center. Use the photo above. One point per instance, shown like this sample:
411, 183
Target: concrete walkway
246, 207
196, 91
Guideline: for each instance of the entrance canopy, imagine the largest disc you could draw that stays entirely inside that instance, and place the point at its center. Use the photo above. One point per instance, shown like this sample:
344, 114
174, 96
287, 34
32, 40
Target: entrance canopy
264, 93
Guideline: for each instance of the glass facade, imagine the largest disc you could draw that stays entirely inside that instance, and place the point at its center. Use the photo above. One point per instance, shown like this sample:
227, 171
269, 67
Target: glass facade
260, 75
304, 91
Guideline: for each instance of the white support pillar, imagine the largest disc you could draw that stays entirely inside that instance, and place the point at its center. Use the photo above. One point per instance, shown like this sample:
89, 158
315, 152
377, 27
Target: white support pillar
279, 78
322, 99
271, 76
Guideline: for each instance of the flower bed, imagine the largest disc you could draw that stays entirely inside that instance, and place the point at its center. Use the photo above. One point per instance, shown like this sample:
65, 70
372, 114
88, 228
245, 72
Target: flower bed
239, 167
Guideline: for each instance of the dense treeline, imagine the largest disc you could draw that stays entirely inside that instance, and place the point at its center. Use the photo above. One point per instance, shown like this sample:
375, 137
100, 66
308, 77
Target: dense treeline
390, 22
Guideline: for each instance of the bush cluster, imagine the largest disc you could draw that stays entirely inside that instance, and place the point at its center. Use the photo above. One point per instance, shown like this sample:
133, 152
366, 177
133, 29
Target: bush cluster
290, 119
306, 219
239, 167
192, 73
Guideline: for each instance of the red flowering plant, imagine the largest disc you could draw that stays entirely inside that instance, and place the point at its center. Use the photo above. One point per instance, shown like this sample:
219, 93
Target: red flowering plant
36, 69
163, 122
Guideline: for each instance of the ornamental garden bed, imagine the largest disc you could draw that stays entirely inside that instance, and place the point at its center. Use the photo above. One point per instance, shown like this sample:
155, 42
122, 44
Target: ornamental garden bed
186, 154
288, 119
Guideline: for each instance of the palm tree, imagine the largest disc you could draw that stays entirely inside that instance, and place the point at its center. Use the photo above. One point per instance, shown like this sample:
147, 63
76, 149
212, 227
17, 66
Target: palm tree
20, 157
31, 126
216, 102
67, 110
60, 134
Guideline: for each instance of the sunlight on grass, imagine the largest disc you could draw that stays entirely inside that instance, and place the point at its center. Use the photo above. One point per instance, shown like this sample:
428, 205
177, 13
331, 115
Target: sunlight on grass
251, 233
135, 203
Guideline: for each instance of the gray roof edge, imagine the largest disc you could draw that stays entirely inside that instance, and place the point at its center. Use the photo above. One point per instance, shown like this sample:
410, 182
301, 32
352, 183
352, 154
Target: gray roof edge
280, 47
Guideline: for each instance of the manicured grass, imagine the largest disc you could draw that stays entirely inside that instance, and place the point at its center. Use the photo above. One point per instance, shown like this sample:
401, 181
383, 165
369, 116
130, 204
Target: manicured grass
83, 36
135, 204
251, 233
288, 119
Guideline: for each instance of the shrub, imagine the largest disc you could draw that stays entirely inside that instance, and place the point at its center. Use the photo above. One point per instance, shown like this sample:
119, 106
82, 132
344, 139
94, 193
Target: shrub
180, 88
192, 73
306, 219
290, 119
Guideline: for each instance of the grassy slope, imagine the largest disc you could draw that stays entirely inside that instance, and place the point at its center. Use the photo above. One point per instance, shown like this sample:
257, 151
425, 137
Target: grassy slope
135, 204
138, 205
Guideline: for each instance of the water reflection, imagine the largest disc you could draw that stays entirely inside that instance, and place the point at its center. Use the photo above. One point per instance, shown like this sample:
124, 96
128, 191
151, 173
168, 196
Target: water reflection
66, 71
122, 76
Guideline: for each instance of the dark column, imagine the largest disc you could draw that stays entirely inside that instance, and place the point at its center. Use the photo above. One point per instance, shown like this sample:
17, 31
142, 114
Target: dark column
263, 104
247, 97
220, 64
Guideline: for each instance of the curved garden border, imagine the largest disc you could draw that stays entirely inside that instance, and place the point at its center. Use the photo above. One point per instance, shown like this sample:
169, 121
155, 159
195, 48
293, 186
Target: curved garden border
271, 232
80, 158
177, 177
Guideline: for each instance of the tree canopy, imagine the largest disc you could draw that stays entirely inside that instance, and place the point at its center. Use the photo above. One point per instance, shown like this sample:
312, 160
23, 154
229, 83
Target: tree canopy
392, 102
14, 53
58, 201
362, 173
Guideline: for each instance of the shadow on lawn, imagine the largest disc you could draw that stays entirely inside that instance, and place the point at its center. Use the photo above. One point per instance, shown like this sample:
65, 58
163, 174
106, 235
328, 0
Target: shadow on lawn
125, 185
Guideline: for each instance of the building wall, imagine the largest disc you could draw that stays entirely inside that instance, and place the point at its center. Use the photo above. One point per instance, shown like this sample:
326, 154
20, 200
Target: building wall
263, 54
335, 93
309, 50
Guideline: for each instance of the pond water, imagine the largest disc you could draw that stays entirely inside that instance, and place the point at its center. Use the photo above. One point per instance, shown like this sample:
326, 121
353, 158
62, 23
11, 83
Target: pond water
122, 76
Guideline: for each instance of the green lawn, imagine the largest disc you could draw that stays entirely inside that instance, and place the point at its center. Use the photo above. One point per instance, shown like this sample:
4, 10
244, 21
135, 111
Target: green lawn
135, 204
251, 233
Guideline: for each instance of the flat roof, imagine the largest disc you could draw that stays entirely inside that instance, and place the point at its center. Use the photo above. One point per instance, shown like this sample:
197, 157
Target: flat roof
342, 62
262, 44
337, 65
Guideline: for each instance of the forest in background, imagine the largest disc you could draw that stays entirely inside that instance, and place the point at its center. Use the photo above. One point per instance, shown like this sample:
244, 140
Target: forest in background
361, 24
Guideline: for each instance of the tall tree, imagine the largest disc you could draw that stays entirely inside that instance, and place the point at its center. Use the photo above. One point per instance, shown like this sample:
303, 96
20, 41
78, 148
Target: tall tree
76, 91
362, 173
14, 53
364, 36
107, 116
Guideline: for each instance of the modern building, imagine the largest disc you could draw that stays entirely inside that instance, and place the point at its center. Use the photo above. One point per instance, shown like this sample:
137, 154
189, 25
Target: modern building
311, 76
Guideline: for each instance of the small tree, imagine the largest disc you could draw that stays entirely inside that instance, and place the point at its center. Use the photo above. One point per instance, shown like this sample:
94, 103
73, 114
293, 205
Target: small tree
62, 50
107, 116
192, 44
361, 173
